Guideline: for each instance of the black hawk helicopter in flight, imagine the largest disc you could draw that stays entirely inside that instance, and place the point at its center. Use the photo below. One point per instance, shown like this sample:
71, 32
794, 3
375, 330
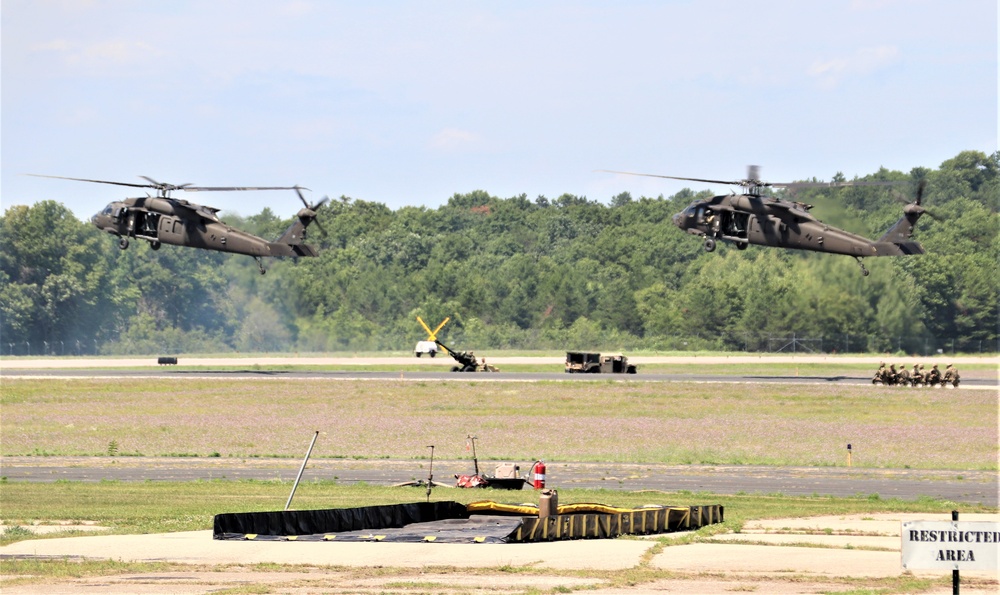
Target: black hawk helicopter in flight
161, 219
755, 218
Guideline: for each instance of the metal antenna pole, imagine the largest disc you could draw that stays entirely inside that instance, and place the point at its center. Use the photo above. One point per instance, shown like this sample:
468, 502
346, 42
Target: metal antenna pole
430, 474
475, 461
301, 469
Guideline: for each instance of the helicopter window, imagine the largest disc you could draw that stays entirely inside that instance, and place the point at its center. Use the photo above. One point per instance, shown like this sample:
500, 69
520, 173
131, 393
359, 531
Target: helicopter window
737, 224
149, 223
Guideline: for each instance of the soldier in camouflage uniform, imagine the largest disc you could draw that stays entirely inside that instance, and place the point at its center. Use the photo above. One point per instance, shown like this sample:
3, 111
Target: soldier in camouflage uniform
904, 376
934, 376
951, 375
880, 374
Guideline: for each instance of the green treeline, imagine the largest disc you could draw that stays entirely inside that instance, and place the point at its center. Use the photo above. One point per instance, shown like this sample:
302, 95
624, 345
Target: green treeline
562, 273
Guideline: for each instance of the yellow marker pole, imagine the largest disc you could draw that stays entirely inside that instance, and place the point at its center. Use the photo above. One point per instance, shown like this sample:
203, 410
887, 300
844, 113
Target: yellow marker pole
848, 455
298, 477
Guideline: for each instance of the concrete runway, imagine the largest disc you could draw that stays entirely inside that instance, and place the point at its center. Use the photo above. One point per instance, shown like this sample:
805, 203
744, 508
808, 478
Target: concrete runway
972, 487
165, 373
437, 369
781, 556
908, 484
442, 362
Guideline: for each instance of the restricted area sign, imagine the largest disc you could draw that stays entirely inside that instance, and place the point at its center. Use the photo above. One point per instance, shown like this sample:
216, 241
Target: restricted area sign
951, 545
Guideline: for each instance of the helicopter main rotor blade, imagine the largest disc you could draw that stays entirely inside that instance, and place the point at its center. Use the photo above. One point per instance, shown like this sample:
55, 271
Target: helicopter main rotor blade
168, 187
759, 183
235, 188
832, 184
629, 173
94, 181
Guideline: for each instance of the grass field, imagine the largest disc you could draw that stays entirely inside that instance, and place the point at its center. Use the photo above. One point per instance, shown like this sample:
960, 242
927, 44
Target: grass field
599, 420
154, 507
603, 420
160, 507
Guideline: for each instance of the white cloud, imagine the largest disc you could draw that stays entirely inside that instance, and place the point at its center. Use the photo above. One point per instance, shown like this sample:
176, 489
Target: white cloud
863, 62
56, 45
863, 5
116, 52
453, 139
297, 8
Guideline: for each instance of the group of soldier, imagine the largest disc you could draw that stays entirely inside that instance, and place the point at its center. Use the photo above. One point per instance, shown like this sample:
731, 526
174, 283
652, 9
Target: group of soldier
903, 377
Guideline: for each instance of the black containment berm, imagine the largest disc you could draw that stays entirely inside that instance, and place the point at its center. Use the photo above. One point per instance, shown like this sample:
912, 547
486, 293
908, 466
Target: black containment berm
452, 522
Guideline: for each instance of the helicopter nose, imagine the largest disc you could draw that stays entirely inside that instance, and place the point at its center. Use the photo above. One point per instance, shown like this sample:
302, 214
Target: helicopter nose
677, 220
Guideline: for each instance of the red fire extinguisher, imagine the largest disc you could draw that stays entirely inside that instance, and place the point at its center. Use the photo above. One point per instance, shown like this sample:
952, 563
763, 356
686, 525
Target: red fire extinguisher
538, 475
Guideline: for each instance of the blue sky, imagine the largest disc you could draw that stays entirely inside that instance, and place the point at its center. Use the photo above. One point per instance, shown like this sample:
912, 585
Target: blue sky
408, 103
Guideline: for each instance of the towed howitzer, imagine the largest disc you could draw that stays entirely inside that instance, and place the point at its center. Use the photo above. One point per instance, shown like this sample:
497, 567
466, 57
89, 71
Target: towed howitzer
467, 361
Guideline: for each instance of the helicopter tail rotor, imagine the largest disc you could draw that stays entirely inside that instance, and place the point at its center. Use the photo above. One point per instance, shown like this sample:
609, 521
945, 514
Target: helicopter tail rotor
316, 207
896, 240
308, 214
916, 207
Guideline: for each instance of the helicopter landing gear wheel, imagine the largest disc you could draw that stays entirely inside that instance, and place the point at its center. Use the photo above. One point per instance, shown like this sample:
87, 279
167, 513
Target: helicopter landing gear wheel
155, 245
864, 271
709, 244
742, 245
123, 243
260, 265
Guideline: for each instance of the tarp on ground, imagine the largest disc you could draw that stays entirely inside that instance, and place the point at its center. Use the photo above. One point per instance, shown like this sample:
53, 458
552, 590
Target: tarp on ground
451, 522
335, 520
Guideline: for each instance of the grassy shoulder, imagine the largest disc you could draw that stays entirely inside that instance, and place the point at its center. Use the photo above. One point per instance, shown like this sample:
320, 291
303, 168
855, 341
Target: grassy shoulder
163, 507
599, 420
158, 507
707, 363
763, 369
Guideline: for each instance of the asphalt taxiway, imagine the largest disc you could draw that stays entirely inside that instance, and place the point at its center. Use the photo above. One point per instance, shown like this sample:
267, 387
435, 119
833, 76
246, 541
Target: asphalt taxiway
971, 487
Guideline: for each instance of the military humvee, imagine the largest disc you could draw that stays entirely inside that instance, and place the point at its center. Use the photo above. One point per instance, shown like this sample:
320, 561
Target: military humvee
580, 362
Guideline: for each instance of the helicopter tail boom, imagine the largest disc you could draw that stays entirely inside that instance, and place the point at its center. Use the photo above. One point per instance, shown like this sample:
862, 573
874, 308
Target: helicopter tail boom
282, 249
290, 242
896, 240
898, 248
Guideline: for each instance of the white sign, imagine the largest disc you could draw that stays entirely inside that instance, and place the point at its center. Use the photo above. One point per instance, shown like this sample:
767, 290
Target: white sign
951, 545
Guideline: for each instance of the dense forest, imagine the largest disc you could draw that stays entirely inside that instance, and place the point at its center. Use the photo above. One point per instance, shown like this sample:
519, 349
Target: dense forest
542, 273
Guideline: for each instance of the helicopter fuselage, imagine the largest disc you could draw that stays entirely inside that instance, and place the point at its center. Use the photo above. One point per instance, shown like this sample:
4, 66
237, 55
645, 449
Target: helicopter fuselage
745, 219
180, 223
161, 220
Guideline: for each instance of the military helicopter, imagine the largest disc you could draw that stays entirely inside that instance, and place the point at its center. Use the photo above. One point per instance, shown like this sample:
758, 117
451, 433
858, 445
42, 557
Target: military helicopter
754, 218
161, 219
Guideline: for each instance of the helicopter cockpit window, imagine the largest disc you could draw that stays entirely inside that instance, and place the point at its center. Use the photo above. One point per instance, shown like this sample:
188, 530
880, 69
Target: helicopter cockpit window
700, 211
